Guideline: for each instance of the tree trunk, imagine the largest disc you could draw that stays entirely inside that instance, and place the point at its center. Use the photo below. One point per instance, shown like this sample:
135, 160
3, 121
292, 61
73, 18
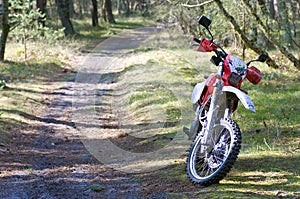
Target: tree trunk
108, 15
253, 30
42, 5
63, 7
272, 9
248, 43
132, 2
285, 22
265, 30
5, 29
277, 14
72, 8
295, 18
80, 9
95, 20
119, 6
127, 6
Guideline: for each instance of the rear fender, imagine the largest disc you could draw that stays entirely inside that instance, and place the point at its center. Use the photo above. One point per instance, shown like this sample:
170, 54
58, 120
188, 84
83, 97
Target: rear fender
243, 97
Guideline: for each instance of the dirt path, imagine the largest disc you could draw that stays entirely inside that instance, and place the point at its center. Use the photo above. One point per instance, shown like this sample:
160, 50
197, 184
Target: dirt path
59, 154
48, 160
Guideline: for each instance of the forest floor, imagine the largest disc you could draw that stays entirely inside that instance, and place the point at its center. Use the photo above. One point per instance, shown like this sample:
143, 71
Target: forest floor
58, 153
45, 156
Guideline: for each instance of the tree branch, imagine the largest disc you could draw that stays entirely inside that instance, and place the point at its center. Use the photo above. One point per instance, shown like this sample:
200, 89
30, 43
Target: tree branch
197, 5
248, 43
282, 49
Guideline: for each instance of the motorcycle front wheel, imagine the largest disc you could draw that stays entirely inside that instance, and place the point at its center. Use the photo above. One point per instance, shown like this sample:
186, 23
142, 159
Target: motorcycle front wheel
209, 163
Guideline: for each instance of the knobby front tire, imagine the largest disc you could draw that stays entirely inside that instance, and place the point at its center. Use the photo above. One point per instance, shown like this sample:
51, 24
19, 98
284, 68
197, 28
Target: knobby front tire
206, 167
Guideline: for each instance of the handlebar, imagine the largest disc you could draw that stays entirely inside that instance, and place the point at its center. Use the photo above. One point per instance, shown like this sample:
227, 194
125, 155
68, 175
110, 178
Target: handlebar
208, 45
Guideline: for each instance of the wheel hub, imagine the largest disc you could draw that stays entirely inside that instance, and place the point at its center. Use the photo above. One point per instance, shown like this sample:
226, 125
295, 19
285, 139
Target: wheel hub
218, 154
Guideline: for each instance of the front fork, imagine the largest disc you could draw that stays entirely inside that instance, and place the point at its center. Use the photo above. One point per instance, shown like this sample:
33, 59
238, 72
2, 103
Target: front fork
212, 114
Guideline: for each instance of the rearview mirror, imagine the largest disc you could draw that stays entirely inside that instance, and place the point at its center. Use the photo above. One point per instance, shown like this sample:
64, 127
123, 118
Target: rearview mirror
263, 57
204, 21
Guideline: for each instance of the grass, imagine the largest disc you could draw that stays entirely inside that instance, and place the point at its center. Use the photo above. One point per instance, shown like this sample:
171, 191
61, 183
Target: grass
93, 35
157, 83
24, 83
268, 164
275, 126
149, 97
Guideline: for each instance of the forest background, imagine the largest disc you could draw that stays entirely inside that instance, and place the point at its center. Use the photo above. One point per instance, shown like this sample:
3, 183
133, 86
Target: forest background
42, 42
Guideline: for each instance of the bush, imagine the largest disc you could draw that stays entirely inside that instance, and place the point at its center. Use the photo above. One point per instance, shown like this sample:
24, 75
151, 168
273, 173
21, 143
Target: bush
26, 24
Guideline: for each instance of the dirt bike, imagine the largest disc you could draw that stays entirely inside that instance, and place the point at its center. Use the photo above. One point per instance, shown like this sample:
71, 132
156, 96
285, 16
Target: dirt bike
217, 138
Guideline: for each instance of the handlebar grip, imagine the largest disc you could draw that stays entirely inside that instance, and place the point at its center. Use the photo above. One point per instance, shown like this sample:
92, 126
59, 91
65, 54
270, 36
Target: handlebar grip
196, 40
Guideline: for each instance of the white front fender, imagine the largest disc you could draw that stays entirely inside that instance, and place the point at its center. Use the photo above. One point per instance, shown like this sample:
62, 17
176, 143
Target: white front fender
244, 98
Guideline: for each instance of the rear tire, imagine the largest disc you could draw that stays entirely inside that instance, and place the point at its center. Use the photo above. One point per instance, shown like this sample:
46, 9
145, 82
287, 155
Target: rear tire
208, 167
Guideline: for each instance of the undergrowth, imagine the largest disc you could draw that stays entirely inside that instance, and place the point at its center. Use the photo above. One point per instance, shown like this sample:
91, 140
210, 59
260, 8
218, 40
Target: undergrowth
267, 166
25, 80
163, 78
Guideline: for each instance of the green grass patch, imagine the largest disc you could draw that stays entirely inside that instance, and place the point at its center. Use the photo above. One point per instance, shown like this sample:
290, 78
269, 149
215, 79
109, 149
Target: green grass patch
91, 36
154, 92
95, 187
29, 71
275, 126
268, 164
151, 95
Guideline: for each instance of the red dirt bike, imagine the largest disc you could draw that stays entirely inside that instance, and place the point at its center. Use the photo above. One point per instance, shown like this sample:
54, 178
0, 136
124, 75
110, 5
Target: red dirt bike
217, 138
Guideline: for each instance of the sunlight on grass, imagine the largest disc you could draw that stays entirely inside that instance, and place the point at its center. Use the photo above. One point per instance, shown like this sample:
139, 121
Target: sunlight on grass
156, 88
105, 30
153, 88
259, 178
268, 163
275, 126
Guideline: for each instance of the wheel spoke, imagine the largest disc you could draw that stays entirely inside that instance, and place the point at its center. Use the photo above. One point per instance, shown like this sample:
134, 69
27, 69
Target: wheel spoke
227, 137
207, 172
212, 170
199, 160
203, 168
219, 159
215, 137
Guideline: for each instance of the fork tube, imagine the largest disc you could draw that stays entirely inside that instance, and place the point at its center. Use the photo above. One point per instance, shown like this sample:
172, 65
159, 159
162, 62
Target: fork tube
212, 113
